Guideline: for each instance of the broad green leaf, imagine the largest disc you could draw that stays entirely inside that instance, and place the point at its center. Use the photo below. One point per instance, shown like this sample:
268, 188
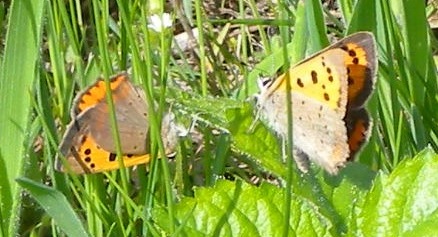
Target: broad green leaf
404, 203
56, 205
210, 111
240, 209
256, 141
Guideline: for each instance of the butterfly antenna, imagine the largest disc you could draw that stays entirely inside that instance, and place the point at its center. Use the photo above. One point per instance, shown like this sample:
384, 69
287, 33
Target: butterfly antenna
183, 132
255, 121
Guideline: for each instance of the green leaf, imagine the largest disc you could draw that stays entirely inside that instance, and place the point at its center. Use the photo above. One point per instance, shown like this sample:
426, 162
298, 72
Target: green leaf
237, 118
240, 209
316, 25
210, 111
17, 74
405, 203
258, 142
364, 9
56, 205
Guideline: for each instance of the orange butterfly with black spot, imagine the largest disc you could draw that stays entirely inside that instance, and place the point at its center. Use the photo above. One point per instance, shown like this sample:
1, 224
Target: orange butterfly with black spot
88, 145
328, 93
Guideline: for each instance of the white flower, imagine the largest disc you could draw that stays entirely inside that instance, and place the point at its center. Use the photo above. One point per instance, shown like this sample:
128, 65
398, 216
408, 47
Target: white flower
159, 23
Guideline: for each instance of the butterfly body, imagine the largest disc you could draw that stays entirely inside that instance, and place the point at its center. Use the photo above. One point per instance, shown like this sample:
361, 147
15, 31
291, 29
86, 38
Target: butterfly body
328, 91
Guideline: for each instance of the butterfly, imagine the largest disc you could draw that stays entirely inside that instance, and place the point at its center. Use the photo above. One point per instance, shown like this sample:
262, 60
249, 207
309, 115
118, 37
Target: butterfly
328, 93
88, 145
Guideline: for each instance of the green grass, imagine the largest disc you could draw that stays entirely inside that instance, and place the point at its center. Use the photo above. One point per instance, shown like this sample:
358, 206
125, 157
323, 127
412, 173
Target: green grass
17, 75
53, 49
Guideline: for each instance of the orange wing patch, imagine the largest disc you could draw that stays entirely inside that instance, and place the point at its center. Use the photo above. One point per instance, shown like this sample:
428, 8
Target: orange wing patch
96, 93
360, 59
358, 130
88, 157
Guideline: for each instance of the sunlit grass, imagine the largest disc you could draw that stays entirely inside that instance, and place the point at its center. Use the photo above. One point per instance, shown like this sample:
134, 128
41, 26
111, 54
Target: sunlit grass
209, 85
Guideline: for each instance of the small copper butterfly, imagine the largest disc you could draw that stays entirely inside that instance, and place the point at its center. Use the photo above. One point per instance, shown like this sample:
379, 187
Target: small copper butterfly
328, 90
88, 145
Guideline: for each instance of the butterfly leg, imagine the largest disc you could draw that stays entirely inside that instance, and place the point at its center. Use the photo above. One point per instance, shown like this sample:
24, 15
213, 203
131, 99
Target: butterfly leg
301, 159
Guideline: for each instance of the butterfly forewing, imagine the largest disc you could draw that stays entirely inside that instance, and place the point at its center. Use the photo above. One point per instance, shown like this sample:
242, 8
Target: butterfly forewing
131, 115
318, 79
361, 62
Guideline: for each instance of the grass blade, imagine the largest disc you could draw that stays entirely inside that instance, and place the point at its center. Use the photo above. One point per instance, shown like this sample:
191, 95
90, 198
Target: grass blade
16, 78
56, 205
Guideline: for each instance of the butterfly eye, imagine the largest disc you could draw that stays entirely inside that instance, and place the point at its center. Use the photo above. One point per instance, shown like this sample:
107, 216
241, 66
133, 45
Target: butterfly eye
266, 82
